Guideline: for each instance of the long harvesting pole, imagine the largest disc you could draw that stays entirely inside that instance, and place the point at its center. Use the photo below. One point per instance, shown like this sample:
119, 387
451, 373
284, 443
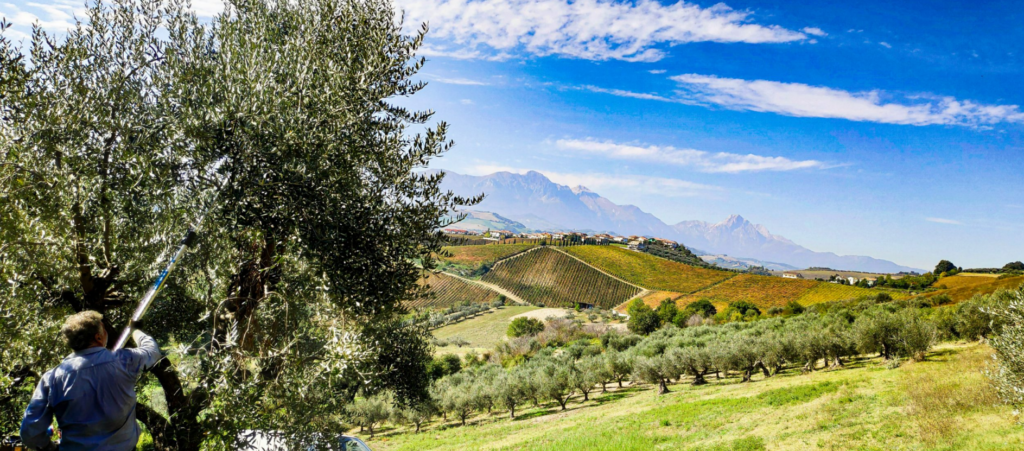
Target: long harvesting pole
147, 299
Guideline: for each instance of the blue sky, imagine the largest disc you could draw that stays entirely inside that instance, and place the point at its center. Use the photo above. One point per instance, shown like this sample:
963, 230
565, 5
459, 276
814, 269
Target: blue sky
876, 128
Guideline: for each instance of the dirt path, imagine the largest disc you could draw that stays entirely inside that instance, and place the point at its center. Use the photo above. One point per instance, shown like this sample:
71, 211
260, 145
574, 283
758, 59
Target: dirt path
492, 287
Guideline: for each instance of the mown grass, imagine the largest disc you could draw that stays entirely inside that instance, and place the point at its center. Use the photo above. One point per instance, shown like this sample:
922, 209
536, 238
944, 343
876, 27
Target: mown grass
862, 407
483, 332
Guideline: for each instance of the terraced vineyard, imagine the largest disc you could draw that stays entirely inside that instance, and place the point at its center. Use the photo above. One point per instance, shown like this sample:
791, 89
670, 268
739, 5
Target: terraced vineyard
549, 277
649, 271
477, 256
446, 291
965, 291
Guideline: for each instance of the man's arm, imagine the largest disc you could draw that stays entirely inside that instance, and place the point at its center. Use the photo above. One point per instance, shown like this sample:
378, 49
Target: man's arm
38, 416
143, 356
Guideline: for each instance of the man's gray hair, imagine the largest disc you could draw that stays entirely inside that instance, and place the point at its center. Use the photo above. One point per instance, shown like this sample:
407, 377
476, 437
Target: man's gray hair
81, 328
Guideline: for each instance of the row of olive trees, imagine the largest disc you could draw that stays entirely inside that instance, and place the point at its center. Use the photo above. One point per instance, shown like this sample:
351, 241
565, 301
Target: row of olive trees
559, 373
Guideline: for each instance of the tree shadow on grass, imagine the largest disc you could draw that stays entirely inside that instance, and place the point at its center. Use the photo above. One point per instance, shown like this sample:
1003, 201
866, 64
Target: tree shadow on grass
599, 400
534, 414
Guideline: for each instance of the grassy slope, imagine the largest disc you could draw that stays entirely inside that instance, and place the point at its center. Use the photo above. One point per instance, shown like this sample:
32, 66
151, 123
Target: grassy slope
483, 332
446, 291
647, 270
965, 290
941, 404
555, 279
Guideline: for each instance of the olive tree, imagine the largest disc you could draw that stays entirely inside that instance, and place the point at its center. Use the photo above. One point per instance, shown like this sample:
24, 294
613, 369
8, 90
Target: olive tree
1008, 373
279, 118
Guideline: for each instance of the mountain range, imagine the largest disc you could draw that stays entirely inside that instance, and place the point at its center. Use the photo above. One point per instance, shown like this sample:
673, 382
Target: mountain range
534, 202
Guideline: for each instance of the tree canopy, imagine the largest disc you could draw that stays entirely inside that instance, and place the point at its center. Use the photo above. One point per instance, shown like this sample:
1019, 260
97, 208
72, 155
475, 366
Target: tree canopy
279, 117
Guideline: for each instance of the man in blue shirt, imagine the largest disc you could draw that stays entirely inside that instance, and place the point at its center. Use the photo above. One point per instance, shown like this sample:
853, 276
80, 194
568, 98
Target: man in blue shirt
92, 392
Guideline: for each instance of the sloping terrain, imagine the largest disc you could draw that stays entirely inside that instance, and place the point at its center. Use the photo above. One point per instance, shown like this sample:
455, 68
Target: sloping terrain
828, 292
762, 291
446, 291
549, 277
965, 289
648, 271
473, 257
942, 403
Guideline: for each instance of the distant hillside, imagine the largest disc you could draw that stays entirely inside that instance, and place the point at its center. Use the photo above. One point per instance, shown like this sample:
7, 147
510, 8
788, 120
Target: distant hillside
547, 276
537, 203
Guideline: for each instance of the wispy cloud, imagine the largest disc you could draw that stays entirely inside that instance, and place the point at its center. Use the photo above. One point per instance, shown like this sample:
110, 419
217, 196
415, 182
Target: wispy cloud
657, 71
715, 162
591, 29
631, 94
943, 221
461, 81
801, 100
466, 102
885, 44
602, 182
56, 16
815, 31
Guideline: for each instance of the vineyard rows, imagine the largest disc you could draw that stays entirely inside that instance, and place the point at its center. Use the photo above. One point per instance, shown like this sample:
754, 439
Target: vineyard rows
762, 291
548, 277
446, 291
648, 271
828, 292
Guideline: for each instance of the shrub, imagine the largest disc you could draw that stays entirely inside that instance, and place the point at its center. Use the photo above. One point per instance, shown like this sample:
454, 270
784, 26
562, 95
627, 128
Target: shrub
642, 320
444, 365
667, 311
702, 307
1008, 374
524, 326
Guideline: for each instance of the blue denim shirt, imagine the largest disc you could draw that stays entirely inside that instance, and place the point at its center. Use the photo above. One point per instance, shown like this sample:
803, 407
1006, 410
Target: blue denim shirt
92, 394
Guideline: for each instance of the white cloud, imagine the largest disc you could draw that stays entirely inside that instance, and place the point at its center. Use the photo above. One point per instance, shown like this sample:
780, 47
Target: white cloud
460, 81
635, 95
797, 99
54, 17
720, 162
601, 182
943, 221
657, 71
466, 102
587, 29
885, 44
814, 31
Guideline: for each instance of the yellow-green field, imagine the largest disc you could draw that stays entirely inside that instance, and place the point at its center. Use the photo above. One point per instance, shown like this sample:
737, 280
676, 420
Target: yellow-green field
828, 292
483, 332
476, 256
965, 288
648, 271
941, 404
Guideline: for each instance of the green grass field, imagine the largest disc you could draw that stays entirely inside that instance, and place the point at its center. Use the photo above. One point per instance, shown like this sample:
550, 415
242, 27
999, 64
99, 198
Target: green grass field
941, 404
483, 332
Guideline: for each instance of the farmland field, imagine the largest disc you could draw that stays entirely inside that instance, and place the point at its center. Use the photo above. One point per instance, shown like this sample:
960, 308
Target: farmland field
966, 292
863, 407
482, 332
652, 299
827, 292
549, 277
477, 256
762, 291
649, 271
446, 291
965, 280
